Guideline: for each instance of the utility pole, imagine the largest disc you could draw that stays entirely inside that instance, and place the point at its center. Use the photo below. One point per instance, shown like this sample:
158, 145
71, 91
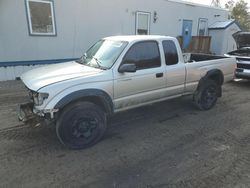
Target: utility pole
216, 3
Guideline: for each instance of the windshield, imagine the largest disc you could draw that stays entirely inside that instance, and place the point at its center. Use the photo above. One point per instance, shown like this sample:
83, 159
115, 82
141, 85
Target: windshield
103, 54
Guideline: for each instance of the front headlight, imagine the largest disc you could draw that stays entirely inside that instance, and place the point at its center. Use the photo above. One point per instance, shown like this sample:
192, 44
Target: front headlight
39, 98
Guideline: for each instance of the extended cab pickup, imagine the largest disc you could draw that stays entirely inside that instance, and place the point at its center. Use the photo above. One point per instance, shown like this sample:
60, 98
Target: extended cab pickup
116, 74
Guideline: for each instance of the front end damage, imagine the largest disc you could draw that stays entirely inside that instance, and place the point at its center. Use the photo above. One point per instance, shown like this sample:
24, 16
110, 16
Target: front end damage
30, 112
25, 112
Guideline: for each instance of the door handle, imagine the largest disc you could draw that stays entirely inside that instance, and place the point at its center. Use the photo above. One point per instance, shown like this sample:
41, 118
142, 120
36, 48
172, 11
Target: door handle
125, 80
159, 75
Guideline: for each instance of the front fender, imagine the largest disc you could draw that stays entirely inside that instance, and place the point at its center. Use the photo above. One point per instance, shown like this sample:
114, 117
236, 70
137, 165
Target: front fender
85, 93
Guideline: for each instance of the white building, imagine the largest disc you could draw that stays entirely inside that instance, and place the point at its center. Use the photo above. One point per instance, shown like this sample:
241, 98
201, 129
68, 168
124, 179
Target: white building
35, 32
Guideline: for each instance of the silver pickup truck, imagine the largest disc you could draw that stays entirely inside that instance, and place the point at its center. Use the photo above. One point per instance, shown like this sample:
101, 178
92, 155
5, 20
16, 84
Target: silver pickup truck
116, 74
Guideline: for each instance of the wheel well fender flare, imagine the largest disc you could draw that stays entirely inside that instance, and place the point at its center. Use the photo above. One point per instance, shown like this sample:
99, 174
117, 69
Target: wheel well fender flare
97, 96
214, 74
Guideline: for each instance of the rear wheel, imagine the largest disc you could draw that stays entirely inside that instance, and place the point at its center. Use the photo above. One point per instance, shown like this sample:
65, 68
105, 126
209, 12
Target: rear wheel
81, 125
207, 94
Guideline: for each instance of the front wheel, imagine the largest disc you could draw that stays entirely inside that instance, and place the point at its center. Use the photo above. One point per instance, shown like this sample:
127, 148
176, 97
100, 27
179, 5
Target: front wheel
81, 125
207, 94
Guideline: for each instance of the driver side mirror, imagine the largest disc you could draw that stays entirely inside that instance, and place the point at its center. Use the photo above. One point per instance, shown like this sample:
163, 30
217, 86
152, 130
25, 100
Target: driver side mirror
127, 68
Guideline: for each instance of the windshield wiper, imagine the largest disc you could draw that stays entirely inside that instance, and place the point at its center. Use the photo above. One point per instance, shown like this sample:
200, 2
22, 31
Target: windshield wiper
79, 60
82, 58
98, 62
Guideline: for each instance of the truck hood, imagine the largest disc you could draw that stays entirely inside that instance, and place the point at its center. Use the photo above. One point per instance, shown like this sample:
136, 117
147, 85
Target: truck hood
37, 78
242, 39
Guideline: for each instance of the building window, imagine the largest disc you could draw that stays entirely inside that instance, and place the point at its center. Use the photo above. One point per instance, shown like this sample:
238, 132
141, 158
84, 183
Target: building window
144, 55
203, 27
41, 17
170, 51
142, 23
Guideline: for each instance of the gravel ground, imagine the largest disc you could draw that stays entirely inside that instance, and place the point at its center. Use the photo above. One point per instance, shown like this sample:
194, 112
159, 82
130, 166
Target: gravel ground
170, 144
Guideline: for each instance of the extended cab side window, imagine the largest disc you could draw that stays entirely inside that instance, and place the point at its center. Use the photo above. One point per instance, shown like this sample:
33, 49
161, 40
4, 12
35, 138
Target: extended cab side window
170, 51
144, 55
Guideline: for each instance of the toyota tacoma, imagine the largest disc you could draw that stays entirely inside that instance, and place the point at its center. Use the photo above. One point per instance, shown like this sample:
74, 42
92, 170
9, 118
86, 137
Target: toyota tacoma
116, 74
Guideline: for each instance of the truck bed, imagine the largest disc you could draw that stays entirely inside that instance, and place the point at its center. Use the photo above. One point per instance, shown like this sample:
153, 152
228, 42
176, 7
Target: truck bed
192, 57
197, 66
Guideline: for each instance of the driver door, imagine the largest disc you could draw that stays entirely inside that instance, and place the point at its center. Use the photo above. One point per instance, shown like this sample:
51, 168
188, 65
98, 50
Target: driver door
144, 85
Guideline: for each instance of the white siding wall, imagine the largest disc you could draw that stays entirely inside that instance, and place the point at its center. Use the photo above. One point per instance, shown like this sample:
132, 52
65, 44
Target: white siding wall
80, 23
13, 72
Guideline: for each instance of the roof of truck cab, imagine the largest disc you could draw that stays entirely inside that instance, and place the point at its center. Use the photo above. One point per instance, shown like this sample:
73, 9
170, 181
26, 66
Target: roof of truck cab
131, 38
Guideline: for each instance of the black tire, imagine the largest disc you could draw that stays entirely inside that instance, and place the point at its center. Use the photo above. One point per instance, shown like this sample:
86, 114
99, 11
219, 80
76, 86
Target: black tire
81, 125
206, 95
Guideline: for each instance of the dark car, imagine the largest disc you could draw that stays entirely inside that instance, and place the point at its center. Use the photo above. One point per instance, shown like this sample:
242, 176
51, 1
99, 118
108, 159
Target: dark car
242, 54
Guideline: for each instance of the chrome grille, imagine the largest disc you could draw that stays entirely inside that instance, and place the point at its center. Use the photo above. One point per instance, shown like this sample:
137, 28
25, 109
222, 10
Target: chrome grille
243, 66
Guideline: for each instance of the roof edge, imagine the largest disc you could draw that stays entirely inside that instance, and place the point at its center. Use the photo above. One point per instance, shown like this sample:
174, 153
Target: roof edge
225, 27
195, 4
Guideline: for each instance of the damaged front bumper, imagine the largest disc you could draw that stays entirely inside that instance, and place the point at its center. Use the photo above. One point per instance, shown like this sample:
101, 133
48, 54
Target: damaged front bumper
27, 112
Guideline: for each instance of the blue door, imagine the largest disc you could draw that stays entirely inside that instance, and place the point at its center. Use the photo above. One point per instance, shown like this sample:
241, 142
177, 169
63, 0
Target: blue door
187, 33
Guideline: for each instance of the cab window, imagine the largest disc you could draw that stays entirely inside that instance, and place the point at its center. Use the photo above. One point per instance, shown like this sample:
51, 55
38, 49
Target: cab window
144, 55
170, 51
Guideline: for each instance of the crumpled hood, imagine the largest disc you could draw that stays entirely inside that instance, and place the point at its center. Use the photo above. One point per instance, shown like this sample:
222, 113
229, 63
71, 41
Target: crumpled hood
40, 77
242, 39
